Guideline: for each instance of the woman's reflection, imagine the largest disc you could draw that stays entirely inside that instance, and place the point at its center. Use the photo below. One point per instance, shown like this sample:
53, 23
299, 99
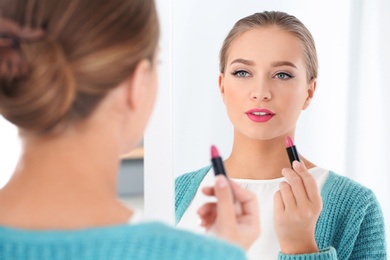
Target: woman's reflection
268, 75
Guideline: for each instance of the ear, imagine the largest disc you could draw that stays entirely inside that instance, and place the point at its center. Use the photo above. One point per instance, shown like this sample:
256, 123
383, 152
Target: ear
221, 84
138, 86
310, 93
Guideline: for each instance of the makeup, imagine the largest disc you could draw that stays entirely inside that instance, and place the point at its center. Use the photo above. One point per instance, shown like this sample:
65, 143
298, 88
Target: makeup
260, 115
218, 167
291, 150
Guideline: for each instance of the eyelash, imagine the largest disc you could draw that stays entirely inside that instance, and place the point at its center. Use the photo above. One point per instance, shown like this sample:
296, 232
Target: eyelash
237, 72
284, 74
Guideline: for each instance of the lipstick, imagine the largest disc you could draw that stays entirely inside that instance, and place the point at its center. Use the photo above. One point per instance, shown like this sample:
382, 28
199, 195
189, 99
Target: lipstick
216, 160
260, 115
218, 167
291, 150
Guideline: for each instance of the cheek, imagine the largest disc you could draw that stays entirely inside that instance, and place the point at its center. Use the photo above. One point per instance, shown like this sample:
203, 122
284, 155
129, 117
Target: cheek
293, 103
234, 97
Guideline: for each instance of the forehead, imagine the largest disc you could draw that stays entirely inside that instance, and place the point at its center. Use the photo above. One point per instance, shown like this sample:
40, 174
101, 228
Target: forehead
266, 45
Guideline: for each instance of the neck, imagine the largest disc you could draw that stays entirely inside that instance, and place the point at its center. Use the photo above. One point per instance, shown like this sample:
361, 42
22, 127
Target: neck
82, 160
71, 176
257, 159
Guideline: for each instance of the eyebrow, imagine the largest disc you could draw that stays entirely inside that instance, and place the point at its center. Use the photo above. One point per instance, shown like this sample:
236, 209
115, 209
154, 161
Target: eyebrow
244, 61
273, 64
283, 63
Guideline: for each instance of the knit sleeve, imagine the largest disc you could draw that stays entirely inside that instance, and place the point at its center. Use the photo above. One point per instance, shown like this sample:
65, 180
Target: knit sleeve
370, 242
173, 243
324, 254
351, 224
144, 241
186, 187
351, 220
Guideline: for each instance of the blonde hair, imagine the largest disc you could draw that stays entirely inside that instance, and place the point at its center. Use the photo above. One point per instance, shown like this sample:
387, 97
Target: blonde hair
88, 48
282, 20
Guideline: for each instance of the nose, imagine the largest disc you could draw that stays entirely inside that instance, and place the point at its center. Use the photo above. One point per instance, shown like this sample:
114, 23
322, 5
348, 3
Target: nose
260, 91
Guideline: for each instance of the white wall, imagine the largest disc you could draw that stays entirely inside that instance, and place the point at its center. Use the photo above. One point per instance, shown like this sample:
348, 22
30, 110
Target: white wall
9, 150
199, 28
158, 140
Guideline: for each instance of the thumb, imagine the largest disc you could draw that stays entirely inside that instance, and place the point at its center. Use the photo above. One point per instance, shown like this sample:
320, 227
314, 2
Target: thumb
226, 217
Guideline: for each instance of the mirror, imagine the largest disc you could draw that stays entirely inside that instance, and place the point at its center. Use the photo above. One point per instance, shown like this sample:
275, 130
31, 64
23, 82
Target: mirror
200, 116
343, 129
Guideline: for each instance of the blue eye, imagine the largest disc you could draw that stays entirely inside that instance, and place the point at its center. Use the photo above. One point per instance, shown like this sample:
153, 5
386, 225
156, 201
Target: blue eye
283, 76
241, 73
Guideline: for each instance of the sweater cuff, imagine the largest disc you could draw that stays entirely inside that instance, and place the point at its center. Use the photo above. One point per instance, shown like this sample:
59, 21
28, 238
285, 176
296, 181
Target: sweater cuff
326, 253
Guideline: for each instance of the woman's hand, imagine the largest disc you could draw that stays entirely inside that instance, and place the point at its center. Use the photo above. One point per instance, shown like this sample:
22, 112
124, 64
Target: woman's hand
298, 205
237, 222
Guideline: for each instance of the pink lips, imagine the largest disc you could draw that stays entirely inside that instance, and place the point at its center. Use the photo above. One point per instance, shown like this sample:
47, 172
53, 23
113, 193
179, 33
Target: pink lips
260, 115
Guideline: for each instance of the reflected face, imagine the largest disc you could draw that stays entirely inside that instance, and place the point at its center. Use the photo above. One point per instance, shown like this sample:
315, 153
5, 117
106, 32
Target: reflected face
264, 86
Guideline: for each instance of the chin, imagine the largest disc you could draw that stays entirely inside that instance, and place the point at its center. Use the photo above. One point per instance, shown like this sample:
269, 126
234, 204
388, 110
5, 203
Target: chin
263, 135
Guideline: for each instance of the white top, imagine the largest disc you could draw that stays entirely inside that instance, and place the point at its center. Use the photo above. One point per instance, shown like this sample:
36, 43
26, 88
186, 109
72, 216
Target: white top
136, 218
266, 246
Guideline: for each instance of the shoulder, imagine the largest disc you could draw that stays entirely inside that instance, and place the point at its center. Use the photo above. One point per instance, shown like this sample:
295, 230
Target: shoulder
194, 177
144, 241
182, 244
350, 204
186, 186
347, 191
351, 219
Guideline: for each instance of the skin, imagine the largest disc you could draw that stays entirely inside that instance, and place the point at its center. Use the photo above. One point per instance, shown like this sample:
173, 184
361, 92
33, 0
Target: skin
228, 220
265, 69
51, 180
58, 190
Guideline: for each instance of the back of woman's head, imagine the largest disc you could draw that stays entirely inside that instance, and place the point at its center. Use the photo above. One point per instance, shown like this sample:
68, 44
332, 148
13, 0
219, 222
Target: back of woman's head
58, 59
284, 21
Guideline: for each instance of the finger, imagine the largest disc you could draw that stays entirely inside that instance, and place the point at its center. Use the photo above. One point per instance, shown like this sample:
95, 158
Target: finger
209, 191
287, 196
207, 221
297, 186
246, 199
207, 214
308, 181
225, 208
206, 208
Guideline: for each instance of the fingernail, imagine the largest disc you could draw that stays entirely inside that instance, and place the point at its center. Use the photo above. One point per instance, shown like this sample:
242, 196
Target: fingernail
284, 171
221, 181
296, 164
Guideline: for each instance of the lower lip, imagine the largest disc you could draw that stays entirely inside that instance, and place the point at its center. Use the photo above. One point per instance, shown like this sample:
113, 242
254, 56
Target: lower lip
260, 119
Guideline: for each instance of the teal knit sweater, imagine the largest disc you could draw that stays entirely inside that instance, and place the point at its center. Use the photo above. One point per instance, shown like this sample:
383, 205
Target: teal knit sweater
145, 241
350, 226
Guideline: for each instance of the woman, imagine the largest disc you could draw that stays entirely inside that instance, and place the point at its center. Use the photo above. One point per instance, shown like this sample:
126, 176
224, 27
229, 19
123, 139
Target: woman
78, 78
268, 75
